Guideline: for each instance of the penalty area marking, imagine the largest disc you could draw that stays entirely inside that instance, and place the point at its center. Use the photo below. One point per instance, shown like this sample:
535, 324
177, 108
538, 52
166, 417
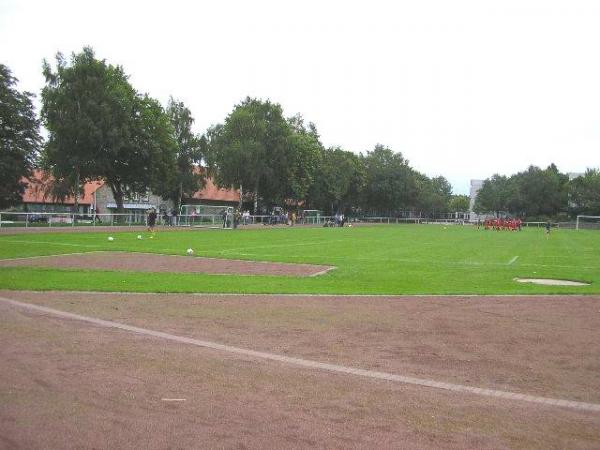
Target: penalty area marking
306, 363
512, 261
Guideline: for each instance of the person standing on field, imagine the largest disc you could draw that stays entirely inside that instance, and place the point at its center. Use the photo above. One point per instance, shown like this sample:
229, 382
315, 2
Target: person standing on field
224, 217
151, 220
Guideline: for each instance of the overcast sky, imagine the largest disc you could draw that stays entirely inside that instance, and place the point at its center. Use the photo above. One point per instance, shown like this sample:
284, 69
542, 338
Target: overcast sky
463, 89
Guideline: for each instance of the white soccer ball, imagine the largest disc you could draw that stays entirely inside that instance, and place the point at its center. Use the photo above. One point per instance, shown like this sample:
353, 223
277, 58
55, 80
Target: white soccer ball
139, 236
110, 238
190, 251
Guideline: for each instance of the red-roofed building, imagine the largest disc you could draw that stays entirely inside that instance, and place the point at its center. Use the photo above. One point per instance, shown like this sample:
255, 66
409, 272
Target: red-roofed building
211, 194
97, 195
38, 197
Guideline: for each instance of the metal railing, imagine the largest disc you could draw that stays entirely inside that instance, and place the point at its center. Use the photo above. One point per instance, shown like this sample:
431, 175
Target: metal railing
55, 220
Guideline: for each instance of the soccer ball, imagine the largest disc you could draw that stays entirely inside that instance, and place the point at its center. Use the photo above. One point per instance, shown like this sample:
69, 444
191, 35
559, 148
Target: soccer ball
190, 251
110, 238
139, 236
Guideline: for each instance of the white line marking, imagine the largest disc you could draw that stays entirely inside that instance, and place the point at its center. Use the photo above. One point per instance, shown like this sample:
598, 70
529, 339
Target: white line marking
512, 261
50, 256
300, 295
65, 244
173, 399
314, 364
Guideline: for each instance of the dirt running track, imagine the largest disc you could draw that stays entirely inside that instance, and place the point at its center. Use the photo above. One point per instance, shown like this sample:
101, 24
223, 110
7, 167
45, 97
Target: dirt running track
65, 383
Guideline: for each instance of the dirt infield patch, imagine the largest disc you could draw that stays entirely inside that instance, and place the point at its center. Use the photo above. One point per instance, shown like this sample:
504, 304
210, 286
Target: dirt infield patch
151, 262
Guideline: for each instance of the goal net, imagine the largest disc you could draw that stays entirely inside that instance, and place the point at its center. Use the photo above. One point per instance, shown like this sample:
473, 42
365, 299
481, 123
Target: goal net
206, 216
588, 223
313, 216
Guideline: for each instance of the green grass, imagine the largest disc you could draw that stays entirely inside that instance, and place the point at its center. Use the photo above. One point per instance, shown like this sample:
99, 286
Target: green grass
395, 259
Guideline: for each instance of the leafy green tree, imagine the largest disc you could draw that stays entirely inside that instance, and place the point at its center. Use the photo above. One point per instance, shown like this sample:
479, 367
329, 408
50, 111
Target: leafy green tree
585, 193
540, 193
305, 155
338, 182
187, 178
101, 128
390, 183
459, 203
434, 194
251, 151
494, 195
19, 139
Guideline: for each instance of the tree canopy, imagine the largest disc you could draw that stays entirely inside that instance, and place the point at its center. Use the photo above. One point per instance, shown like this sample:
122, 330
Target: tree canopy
258, 150
100, 128
535, 192
20, 140
187, 177
585, 193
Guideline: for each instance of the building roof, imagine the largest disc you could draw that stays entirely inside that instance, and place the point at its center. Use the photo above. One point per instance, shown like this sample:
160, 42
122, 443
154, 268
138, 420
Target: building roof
214, 193
38, 190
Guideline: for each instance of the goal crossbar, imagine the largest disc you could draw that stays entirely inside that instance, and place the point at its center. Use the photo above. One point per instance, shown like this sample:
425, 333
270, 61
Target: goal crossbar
584, 217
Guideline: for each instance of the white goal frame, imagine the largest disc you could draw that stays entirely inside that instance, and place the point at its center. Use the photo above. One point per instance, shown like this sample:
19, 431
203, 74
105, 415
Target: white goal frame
581, 216
205, 216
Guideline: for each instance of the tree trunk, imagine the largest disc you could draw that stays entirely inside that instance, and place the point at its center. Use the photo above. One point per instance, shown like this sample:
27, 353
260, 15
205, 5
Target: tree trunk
76, 202
241, 196
118, 194
256, 198
179, 198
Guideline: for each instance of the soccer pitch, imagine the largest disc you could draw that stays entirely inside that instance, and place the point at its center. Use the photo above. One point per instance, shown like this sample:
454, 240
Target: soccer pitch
386, 259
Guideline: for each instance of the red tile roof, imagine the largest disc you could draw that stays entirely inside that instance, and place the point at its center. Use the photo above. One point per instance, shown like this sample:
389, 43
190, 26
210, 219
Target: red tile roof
212, 192
38, 190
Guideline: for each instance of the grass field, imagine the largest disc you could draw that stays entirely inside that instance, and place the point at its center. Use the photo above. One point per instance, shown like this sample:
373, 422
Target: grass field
405, 259
176, 370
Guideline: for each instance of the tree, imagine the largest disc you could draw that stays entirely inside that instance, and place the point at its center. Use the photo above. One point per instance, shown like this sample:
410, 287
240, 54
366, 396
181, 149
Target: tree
390, 183
338, 181
251, 150
434, 194
459, 203
539, 192
494, 195
20, 140
101, 128
305, 156
585, 193
187, 178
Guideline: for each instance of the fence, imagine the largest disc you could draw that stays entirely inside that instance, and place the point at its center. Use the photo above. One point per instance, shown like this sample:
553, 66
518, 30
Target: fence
52, 220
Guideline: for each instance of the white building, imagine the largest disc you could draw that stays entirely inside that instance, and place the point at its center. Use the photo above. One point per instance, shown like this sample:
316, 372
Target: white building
475, 186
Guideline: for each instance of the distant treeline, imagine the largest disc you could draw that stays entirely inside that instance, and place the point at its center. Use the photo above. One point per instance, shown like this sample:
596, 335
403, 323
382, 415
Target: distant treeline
541, 193
101, 128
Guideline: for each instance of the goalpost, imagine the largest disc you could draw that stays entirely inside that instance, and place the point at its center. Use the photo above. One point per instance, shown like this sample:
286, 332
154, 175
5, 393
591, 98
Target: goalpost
587, 222
203, 216
312, 216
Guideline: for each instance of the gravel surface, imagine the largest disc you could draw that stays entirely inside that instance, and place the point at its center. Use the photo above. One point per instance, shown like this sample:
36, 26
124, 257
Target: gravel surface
151, 262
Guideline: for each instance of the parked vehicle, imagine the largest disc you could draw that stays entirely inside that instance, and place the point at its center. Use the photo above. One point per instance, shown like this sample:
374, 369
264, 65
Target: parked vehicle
37, 218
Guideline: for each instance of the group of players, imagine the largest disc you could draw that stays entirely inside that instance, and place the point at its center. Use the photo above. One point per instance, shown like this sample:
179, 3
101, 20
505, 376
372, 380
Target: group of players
501, 224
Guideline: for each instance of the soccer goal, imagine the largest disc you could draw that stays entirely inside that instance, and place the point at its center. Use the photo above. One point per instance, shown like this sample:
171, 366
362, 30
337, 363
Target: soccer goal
211, 216
313, 216
588, 223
